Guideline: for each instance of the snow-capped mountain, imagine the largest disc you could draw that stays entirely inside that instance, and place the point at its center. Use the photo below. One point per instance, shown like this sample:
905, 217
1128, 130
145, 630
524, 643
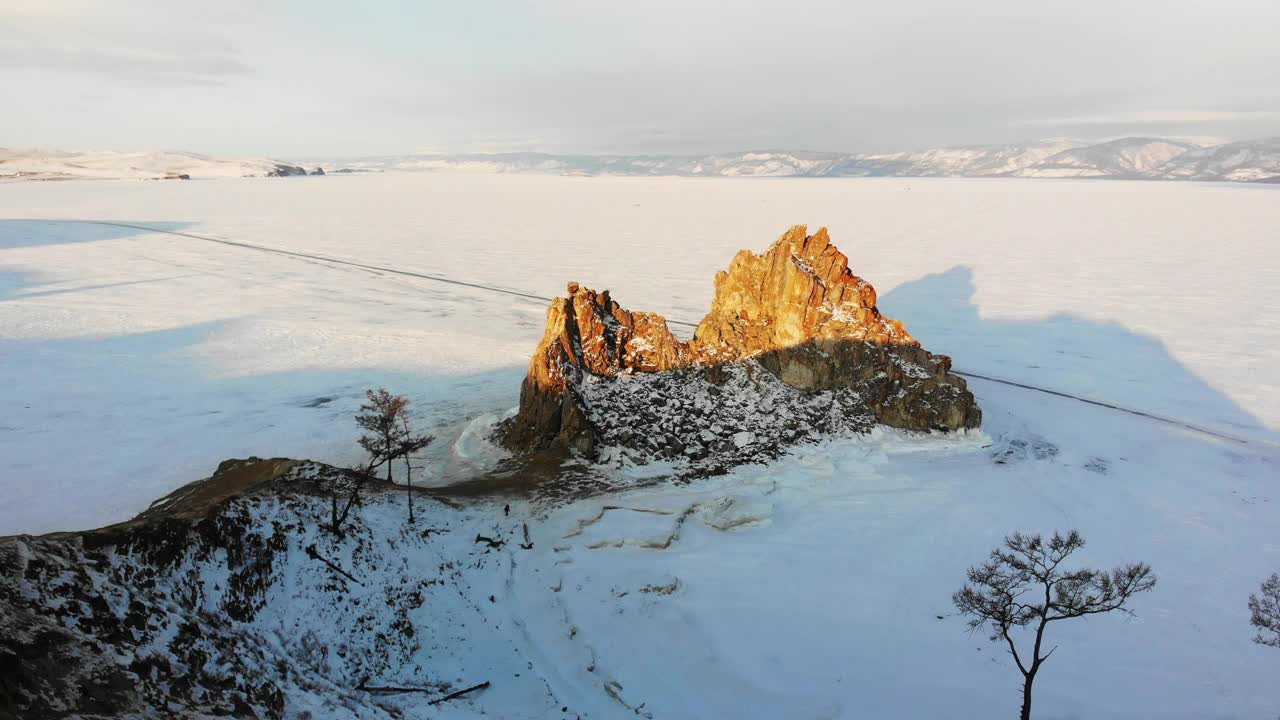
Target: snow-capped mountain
1131, 157
154, 165
1125, 157
1247, 161
748, 164
975, 161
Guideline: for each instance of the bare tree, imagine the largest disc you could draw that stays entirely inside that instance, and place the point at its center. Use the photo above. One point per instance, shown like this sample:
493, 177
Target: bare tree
356, 477
1023, 585
1265, 611
385, 421
410, 444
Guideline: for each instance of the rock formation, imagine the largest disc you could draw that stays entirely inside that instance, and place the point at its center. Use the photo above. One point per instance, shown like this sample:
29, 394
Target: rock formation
793, 346
282, 170
230, 598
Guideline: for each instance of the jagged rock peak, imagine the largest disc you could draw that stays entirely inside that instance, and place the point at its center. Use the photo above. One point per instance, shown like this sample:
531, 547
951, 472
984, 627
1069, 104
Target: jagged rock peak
799, 290
795, 312
588, 331
588, 334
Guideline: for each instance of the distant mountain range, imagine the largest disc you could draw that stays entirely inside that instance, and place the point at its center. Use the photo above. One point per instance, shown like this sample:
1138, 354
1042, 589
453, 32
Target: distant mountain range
58, 165
1132, 158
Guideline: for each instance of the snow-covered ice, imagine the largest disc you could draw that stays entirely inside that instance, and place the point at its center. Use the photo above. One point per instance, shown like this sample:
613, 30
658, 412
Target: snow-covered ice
161, 355
833, 599
132, 362
140, 360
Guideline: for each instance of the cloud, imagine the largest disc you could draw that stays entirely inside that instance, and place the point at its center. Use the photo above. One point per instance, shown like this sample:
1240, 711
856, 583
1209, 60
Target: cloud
126, 63
1155, 117
132, 41
666, 76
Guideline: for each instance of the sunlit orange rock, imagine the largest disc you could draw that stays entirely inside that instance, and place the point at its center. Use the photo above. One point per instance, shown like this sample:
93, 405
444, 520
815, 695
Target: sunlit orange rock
795, 310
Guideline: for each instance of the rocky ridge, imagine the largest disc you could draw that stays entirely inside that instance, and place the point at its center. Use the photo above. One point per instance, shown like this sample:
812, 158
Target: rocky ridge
16, 165
230, 598
792, 348
1134, 158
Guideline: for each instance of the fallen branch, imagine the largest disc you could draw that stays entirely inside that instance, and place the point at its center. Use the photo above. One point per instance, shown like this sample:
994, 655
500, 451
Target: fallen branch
437, 701
460, 693
388, 689
311, 553
496, 544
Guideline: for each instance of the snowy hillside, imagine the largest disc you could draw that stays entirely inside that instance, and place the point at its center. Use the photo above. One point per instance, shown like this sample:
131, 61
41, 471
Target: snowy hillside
818, 586
56, 165
1248, 161
977, 161
1126, 157
1132, 158
750, 164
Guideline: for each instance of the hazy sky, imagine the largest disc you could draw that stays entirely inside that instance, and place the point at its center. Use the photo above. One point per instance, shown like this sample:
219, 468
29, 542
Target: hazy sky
318, 78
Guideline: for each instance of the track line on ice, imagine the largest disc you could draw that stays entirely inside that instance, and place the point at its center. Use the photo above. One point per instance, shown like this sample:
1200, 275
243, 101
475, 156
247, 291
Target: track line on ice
530, 296
323, 258
1140, 413
307, 256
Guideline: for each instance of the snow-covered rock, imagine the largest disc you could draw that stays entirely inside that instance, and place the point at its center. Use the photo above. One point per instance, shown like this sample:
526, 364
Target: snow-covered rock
790, 329
232, 599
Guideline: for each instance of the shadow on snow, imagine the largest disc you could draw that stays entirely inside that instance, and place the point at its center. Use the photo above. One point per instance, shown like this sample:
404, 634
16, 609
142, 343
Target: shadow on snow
1097, 360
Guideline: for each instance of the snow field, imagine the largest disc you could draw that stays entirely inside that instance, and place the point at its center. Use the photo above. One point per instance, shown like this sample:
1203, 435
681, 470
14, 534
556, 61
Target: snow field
133, 362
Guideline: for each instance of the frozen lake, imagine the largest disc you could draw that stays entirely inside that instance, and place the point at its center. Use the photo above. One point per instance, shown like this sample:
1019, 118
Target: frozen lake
134, 361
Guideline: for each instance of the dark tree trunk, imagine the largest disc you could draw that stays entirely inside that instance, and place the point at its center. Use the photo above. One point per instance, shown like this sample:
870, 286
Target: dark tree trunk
1029, 675
1026, 696
408, 487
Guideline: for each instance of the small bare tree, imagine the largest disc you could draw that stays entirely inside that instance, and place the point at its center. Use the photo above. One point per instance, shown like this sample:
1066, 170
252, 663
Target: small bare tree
355, 477
385, 421
410, 444
1265, 611
1023, 585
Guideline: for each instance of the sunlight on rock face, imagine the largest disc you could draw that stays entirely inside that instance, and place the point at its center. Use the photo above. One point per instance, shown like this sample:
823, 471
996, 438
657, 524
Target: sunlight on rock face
790, 329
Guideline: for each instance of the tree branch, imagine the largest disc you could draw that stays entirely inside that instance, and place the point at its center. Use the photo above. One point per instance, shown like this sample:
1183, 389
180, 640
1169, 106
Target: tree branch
1013, 650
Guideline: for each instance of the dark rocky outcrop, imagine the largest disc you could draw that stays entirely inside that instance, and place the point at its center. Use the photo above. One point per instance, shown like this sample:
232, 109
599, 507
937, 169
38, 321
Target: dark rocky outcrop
112, 621
794, 346
282, 170
187, 610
